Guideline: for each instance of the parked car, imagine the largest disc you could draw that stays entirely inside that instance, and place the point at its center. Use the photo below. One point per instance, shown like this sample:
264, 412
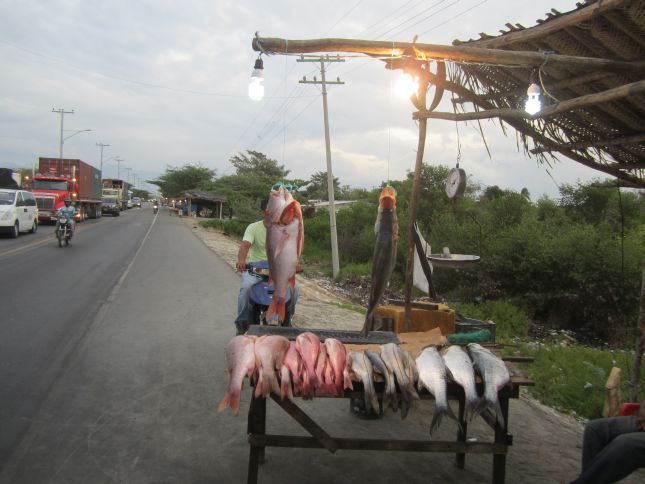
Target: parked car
110, 206
18, 212
129, 204
136, 201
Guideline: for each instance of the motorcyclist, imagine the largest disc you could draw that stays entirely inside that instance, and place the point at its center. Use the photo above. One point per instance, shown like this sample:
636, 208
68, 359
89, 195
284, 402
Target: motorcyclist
69, 210
253, 249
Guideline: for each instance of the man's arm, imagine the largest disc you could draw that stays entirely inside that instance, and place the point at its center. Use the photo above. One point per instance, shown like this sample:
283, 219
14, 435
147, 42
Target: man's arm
240, 265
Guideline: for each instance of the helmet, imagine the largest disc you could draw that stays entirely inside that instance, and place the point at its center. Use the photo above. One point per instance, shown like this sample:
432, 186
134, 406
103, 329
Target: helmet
68, 201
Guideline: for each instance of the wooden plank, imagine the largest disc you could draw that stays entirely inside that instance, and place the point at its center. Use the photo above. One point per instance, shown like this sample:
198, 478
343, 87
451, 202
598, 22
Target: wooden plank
348, 337
272, 440
307, 423
443, 52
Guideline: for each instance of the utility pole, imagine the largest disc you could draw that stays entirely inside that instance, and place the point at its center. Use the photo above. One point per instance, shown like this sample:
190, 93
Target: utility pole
102, 145
118, 167
128, 178
62, 113
330, 175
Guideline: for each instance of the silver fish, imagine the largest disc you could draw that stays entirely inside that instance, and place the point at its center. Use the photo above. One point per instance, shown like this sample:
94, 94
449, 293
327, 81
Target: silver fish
433, 375
462, 372
384, 258
362, 369
389, 395
494, 374
399, 364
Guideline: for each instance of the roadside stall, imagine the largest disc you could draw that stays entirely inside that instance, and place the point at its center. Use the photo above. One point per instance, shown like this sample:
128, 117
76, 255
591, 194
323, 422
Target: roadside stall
596, 104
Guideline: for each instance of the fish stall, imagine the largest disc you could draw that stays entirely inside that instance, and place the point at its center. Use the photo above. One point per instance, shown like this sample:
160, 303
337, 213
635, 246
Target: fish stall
392, 365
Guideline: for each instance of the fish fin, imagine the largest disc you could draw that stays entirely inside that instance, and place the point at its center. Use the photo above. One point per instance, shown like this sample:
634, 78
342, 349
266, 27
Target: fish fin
498, 413
276, 310
405, 407
292, 282
347, 380
452, 415
225, 402
436, 421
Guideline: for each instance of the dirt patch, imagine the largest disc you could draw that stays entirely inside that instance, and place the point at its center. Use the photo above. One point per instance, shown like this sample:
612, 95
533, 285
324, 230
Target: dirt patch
546, 444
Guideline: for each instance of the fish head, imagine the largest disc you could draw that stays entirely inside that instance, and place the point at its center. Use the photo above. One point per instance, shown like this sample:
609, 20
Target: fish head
387, 198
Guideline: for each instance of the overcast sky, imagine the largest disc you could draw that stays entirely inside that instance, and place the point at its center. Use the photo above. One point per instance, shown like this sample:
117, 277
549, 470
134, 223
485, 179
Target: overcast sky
164, 83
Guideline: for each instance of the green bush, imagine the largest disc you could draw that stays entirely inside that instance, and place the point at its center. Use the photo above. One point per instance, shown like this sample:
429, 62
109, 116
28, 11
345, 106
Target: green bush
572, 378
229, 227
510, 321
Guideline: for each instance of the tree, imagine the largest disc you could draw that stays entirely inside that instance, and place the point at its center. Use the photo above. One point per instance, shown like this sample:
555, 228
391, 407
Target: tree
142, 194
175, 181
318, 186
258, 165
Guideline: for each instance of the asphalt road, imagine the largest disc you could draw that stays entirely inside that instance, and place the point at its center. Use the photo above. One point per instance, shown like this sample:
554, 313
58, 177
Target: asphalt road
104, 344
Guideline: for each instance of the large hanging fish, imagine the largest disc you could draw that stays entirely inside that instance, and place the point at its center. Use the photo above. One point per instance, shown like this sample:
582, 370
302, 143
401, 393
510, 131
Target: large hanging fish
387, 235
285, 239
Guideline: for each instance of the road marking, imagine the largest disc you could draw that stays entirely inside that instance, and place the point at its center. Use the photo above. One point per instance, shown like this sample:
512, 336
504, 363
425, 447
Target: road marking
38, 242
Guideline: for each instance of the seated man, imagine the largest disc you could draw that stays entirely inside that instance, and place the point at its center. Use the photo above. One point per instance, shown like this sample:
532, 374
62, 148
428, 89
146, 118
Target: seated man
613, 448
253, 249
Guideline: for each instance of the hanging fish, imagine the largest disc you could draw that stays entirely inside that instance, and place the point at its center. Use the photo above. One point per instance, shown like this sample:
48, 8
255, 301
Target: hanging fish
387, 235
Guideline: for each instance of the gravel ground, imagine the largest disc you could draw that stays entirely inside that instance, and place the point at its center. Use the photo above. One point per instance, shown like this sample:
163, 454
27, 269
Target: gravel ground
546, 444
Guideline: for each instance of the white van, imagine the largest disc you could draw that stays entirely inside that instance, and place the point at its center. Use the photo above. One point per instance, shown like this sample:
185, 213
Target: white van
18, 211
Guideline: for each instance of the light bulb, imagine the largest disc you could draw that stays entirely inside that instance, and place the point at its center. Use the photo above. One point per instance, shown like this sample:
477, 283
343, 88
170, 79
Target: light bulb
406, 86
256, 89
533, 104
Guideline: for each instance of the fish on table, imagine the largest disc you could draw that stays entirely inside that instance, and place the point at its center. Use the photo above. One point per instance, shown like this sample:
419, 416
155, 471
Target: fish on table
433, 375
398, 363
336, 357
495, 376
240, 362
386, 229
308, 345
284, 243
291, 372
363, 371
462, 372
270, 351
389, 395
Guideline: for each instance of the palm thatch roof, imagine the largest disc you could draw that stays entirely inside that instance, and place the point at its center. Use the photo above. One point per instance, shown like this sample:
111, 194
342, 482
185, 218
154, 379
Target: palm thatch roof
589, 63
608, 133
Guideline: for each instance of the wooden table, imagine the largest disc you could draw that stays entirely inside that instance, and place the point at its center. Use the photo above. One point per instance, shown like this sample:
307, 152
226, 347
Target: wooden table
258, 438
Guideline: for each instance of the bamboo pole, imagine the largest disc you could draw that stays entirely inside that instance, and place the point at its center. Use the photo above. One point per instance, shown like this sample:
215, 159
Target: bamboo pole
389, 49
414, 205
609, 95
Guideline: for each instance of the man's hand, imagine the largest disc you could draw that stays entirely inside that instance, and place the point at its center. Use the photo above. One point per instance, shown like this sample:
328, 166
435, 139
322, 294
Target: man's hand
240, 266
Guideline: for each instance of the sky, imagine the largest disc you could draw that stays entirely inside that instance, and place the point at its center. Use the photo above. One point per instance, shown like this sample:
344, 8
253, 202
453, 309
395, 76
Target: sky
164, 83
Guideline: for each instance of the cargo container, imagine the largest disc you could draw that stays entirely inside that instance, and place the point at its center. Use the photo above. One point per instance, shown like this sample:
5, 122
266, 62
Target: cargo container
58, 179
118, 189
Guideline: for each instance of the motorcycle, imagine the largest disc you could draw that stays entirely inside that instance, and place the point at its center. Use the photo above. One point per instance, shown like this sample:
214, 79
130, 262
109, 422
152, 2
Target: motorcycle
261, 294
63, 229
155, 208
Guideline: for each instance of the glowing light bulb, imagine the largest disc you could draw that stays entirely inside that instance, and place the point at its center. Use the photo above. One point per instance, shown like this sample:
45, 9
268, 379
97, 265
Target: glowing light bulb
406, 86
533, 104
256, 86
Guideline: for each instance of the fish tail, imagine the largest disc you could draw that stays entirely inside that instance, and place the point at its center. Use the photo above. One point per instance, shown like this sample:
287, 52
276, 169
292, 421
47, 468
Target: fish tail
276, 309
436, 421
285, 383
452, 415
259, 385
347, 380
225, 402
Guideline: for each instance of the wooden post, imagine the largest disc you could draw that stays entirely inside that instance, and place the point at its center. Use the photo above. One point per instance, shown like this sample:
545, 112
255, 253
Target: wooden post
612, 394
414, 202
640, 346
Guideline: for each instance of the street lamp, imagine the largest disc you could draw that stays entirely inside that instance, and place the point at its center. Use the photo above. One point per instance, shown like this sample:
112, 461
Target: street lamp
256, 86
62, 140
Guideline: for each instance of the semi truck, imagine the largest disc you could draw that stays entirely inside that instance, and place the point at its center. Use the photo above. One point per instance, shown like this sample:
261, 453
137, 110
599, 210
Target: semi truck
61, 178
117, 189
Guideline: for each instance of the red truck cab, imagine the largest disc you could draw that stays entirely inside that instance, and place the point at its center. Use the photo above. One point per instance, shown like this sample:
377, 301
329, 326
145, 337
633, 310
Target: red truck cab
51, 192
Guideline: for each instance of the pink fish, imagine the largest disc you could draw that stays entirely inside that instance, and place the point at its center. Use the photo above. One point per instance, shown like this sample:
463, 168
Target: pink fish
321, 363
240, 362
308, 345
269, 355
336, 356
285, 239
293, 365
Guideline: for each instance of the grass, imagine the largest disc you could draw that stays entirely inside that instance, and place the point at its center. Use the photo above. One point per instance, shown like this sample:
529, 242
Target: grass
572, 378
